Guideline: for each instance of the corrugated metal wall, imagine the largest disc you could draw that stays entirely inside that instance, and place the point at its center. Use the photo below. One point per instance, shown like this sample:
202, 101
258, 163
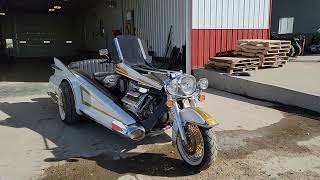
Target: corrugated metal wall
218, 24
153, 19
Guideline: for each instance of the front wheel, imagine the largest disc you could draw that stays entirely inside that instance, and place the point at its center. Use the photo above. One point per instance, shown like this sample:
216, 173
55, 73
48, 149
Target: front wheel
201, 150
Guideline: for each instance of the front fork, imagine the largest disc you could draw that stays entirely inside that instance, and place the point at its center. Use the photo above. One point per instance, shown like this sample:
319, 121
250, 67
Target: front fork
178, 124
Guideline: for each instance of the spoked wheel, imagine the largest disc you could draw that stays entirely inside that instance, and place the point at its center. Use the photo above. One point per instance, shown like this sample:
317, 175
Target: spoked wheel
61, 105
201, 150
66, 104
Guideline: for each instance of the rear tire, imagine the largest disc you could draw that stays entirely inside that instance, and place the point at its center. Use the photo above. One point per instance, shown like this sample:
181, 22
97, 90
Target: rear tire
66, 104
209, 148
292, 51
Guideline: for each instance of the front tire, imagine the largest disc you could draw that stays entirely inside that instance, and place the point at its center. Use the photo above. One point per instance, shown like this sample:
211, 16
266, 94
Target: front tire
66, 104
201, 150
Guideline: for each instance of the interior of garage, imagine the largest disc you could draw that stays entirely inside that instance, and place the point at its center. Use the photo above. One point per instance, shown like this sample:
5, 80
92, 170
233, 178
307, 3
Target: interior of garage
73, 30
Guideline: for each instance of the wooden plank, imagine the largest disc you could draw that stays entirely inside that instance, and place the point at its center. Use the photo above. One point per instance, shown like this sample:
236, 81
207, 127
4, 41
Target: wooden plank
284, 50
234, 59
285, 42
231, 70
263, 42
261, 51
258, 47
246, 54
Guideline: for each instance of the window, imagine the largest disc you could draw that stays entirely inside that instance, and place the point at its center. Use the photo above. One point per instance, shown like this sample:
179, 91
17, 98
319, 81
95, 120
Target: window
286, 25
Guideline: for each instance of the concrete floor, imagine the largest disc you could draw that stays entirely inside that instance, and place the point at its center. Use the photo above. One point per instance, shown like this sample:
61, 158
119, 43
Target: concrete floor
302, 76
257, 140
295, 84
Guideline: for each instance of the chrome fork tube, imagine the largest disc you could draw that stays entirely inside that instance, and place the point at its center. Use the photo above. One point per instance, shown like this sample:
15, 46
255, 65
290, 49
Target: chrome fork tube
179, 122
193, 102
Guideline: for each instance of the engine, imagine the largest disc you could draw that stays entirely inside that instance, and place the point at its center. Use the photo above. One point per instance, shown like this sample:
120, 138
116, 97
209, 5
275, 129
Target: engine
139, 101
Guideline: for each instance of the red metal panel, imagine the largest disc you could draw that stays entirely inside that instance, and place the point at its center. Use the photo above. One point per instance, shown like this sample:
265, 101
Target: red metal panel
206, 48
218, 40
212, 43
234, 38
229, 39
207, 43
194, 47
224, 39
201, 48
240, 35
245, 34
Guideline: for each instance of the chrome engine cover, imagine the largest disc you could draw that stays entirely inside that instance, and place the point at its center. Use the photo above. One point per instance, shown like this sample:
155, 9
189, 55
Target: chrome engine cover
133, 101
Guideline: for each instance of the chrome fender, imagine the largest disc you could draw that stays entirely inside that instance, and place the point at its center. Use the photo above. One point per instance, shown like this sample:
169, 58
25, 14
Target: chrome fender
196, 116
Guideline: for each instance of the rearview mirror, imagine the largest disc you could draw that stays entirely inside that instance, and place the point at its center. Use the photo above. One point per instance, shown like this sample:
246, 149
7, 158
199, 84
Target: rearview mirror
103, 52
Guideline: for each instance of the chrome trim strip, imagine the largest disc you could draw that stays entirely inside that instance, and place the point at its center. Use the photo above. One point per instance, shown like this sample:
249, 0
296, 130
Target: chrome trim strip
142, 49
118, 48
84, 90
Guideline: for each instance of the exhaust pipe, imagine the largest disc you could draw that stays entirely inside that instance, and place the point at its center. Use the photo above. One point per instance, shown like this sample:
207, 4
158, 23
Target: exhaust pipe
134, 132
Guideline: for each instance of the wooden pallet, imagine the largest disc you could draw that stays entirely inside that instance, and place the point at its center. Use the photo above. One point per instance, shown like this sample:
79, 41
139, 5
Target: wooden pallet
264, 52
234, 60
277, 63
260, 42
233, 64
264, 45
231, 70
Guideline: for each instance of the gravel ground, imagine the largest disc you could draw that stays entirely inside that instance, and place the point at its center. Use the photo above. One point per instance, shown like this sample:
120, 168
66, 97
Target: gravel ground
257, 140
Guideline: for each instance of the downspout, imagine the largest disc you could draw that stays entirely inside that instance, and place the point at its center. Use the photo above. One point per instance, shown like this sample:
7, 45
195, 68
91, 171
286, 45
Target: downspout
188, 35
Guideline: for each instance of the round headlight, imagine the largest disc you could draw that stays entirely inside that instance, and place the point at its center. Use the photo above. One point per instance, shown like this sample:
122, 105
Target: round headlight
187, 84
172, 88
203, 83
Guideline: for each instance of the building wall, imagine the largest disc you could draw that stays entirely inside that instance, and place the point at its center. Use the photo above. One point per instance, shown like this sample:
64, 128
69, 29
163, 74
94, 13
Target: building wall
111, 19
153, 19
218, 24
35, 28
306, 14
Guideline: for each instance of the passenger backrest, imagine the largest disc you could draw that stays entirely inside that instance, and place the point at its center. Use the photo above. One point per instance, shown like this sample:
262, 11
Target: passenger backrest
92, 66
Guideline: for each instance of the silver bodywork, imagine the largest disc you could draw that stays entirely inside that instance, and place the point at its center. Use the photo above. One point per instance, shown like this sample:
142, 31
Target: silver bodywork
96, 104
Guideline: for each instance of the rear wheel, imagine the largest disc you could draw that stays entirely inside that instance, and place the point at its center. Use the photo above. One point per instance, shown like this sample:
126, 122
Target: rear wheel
201, 150
66, 104
292, 51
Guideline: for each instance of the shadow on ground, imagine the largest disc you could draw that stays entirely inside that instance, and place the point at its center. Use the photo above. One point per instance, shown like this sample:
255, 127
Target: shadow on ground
90, 148
87, 140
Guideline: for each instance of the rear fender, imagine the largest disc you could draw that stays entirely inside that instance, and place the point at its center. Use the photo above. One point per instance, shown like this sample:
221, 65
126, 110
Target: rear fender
62, 73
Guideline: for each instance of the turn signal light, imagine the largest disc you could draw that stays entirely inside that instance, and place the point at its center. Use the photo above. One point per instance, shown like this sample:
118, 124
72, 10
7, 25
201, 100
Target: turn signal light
211, 121
202, 98
170, 103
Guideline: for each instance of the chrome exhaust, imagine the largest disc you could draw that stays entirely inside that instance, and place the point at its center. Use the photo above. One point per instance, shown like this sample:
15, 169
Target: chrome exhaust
136, 132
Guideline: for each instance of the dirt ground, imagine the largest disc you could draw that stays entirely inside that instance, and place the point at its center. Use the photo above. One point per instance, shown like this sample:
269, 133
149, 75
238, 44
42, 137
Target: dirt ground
257, 140
272, 152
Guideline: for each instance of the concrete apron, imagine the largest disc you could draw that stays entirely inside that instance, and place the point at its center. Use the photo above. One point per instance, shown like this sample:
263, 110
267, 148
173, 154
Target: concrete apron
259, 90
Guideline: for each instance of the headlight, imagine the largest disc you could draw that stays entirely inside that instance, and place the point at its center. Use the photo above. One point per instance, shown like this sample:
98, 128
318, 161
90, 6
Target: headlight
187, 84
203, 83
172, 88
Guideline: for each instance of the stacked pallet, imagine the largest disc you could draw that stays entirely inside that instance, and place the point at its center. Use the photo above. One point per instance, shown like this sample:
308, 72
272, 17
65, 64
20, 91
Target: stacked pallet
272, 53
233, 64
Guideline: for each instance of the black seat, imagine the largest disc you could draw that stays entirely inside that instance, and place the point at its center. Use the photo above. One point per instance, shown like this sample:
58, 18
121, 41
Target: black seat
92, 67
